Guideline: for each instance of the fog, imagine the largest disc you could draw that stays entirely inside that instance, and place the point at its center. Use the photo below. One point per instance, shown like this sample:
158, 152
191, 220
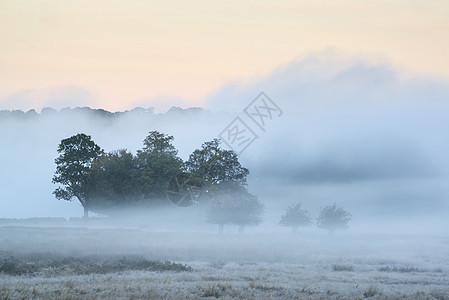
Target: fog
348, 131
352, 132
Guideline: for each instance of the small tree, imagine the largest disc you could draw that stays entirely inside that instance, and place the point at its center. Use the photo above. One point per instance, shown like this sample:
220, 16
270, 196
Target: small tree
233, 204
295, 216
332, 218
248, 211
76, 155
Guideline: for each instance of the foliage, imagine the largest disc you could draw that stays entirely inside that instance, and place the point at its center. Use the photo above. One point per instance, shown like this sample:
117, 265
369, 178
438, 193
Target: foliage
157, 143
233, 204
295, 216
332, 218
113, 181
105, 182
76, 155
185, 190
157, 163
215, 165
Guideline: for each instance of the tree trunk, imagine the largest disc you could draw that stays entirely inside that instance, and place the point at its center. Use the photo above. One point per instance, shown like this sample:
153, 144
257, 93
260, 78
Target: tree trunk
86, 212
241, 228
220, 228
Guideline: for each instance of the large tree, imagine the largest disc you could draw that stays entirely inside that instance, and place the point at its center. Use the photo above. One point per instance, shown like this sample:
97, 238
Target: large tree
76, 155
121, 180
224, 180
215, 166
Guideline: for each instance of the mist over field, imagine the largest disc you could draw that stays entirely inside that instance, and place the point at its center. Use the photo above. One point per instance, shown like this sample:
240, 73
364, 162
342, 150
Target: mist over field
351, 132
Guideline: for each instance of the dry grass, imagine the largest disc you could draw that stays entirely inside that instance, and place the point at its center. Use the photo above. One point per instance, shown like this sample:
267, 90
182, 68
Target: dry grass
340, 268
106, 263
47, 264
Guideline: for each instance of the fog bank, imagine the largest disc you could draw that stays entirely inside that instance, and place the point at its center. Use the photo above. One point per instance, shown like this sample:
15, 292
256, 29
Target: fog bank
351, 132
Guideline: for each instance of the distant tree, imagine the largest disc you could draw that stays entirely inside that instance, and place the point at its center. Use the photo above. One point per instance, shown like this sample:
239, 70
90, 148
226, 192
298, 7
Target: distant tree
157, 163
332, 218
76, 155
233, 204
295, 216
248, 210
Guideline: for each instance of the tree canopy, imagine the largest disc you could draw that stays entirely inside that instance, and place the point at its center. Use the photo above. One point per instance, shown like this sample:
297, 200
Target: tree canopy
215, 165
157, 163
120, 180
111, 182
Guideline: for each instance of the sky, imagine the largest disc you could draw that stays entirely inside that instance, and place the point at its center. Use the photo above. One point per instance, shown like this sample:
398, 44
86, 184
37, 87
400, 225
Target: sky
120, 54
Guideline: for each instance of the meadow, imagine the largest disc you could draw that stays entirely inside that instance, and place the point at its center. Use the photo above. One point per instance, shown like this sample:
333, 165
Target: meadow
97, 260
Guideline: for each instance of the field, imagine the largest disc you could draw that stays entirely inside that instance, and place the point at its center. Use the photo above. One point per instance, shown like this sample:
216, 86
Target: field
67, 260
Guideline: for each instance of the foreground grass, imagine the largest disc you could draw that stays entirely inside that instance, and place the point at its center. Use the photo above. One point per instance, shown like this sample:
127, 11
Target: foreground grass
53, 265
230, 281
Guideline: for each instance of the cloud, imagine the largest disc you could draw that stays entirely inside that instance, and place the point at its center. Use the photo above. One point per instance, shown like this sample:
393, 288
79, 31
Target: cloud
346, 119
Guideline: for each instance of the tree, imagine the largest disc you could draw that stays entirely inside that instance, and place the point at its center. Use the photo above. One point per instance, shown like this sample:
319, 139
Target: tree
157, 163
112, 182
233, 204
224, 180
295, 216
76, 155
214, 166
332, 218
158, 143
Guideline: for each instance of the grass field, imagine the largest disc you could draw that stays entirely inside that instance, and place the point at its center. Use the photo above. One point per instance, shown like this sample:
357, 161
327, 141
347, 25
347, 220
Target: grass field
66, 261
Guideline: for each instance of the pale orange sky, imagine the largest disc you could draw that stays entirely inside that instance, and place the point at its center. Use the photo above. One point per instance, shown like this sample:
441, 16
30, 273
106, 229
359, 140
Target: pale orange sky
123, 52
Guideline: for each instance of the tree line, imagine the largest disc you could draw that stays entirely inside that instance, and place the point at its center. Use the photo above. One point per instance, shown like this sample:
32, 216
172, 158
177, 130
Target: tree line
330, 218
96, 113
111, 182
